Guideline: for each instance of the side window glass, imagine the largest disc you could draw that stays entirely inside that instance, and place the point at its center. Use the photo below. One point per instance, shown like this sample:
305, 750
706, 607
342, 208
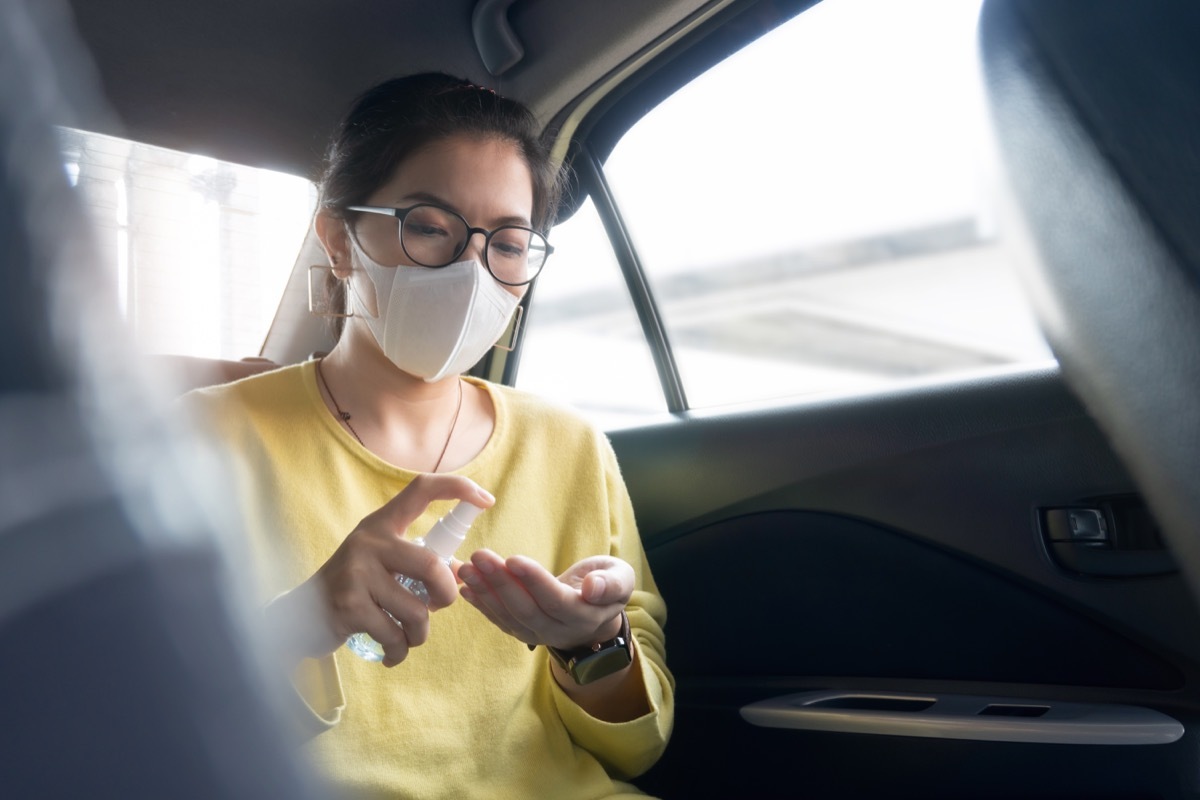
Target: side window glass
817, 213
583, 344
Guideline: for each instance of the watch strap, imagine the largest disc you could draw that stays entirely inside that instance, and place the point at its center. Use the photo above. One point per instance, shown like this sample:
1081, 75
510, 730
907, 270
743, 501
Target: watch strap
593, 662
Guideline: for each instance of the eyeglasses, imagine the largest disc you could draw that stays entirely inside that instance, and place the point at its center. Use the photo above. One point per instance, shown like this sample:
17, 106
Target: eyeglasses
433, 236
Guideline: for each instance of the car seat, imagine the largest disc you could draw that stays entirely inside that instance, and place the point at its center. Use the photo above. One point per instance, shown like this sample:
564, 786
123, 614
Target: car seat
124, 667
1096, 104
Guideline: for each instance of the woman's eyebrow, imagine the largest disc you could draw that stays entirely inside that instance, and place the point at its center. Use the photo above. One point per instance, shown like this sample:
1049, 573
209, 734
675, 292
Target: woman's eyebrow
429, 197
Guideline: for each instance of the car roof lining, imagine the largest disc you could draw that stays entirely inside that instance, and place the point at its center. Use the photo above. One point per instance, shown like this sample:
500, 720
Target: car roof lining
240, 81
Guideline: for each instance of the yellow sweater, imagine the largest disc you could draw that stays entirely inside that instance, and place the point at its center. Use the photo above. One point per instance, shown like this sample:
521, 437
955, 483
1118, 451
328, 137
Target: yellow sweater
472, 713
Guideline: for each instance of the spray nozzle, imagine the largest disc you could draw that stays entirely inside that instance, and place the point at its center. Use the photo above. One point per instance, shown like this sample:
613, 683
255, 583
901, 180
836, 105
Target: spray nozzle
449, 531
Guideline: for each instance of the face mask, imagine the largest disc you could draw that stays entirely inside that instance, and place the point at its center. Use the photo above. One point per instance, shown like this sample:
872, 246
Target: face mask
434, 322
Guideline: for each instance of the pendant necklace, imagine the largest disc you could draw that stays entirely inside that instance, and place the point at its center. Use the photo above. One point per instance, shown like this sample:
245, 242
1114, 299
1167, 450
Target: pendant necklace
344, 416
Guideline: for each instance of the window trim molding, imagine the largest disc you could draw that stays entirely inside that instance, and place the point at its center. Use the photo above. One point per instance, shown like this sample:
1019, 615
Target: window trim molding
592, 180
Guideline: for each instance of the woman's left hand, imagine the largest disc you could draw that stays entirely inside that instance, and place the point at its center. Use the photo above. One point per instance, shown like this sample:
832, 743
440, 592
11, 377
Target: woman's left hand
580, 607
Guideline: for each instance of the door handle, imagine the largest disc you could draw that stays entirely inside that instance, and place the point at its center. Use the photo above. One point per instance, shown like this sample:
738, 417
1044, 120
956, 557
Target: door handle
1113, 537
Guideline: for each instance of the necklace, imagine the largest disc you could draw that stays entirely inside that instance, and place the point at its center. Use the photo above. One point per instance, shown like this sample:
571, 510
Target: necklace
344, 416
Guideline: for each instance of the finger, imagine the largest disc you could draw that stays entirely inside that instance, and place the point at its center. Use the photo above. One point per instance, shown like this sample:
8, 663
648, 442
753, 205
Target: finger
405, 507
553, 597
406, 610
497, 614
479, 594
390, 636
417, 563
508, 589
603, 580
606, 587
506, 624
468, 573
494, 589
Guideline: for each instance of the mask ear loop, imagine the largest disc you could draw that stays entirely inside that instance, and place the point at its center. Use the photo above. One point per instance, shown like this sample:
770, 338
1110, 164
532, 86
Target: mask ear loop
514, 331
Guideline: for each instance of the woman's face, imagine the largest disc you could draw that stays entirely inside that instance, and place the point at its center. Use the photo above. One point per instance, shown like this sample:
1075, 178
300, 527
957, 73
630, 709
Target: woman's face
485, 180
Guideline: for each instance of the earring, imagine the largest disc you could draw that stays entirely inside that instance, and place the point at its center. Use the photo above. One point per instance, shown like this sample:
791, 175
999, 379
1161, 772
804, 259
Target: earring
514, 331
320, 296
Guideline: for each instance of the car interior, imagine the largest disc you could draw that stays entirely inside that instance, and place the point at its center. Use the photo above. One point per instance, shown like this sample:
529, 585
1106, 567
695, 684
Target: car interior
946, 584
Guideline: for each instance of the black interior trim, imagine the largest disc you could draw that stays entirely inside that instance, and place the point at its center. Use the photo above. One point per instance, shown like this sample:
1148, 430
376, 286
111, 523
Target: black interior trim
592, 174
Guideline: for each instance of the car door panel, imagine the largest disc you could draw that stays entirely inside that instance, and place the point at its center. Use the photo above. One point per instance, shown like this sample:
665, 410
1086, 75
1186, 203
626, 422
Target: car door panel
891, 543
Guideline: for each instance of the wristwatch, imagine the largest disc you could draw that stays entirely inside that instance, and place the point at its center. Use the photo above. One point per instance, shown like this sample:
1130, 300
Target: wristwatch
593, 662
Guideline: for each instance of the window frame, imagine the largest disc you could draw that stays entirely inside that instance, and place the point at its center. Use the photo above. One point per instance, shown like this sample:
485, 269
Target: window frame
598, 133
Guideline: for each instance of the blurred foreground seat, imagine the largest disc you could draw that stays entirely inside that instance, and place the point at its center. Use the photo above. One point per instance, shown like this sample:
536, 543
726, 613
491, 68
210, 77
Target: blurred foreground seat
1096, 105
124, 668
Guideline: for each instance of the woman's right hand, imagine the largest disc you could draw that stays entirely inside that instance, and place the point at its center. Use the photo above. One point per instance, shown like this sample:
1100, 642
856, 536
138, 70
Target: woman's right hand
355, 590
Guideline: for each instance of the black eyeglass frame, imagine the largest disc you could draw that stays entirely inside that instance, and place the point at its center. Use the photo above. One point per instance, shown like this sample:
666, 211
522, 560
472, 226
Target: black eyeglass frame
401, 213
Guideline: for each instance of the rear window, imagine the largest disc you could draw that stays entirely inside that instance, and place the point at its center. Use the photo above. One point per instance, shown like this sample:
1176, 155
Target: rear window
199, 250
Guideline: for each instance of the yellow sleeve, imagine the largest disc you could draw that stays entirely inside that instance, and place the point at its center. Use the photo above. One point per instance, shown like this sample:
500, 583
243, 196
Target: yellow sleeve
319, 687
628, 749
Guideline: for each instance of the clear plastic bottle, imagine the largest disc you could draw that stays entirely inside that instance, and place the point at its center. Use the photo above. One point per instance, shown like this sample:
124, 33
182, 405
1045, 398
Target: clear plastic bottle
443, 538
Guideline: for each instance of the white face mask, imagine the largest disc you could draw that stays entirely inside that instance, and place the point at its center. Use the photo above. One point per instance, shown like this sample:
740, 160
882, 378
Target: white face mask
434, 322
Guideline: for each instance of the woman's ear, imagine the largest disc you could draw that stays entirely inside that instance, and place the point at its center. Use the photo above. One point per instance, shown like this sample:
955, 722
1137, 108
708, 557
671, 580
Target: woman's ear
335, 240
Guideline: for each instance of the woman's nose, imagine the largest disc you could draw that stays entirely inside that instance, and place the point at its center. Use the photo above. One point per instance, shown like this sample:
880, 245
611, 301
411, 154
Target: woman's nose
476, 243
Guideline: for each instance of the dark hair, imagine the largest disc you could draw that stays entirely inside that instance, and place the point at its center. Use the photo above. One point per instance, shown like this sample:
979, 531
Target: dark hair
391, 121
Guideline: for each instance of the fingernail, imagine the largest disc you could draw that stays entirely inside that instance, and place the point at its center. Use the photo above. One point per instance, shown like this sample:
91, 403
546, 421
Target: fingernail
486, 567
598, 586
486, 495
468, 576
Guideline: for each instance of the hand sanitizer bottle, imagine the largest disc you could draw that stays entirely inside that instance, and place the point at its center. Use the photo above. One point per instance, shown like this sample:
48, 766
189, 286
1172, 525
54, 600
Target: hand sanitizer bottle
443, 538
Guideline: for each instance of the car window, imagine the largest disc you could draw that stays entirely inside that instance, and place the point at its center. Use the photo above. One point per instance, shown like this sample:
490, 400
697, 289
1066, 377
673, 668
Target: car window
198, 250
583, 343
818, 212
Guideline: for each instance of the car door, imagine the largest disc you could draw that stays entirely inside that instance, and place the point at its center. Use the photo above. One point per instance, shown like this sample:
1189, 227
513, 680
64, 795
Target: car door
900, 558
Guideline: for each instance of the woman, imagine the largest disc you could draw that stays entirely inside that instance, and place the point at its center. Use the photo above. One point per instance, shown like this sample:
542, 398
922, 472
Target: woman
433, 203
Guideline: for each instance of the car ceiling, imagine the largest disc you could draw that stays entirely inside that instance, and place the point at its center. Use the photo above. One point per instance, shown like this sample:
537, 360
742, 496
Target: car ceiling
263, 83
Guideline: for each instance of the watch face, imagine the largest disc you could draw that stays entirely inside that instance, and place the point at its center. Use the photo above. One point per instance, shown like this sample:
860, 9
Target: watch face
595, 666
